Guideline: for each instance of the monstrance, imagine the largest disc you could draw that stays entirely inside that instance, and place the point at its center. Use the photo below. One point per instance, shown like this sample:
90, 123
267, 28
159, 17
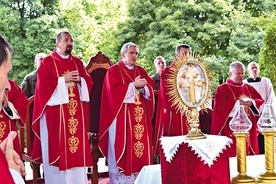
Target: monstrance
190, 91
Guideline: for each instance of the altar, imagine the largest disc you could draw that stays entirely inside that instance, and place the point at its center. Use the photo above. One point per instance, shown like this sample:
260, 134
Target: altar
196, 161
151, 174
182, 163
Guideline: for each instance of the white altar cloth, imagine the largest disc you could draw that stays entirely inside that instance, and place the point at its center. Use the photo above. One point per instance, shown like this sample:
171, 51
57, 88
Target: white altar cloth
206, 149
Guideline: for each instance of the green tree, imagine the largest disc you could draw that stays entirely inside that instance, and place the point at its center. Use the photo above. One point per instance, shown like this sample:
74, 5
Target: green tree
268, 53
27, 25
92, 23
245, 39
256, 8
31, 27
220, 29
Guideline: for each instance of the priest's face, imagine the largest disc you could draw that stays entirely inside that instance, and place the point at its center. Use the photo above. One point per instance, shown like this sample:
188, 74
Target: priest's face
5, 68
38, 58
130, 57
183, 52
237, 74
253, 70
159, 64
65, 45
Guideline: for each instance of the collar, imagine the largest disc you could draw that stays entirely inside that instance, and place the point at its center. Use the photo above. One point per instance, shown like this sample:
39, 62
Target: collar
258, 79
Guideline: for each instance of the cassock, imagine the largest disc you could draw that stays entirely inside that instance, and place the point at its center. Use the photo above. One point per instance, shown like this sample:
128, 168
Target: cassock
63, 110
226, 97
156, 79
15, 113
133, 138
264, 86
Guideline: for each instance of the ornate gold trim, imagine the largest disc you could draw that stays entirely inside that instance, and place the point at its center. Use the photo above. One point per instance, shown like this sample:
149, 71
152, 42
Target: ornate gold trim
174, 94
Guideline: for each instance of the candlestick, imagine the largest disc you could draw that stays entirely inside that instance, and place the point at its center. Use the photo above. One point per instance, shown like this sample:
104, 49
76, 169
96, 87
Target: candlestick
269, 176
241, 160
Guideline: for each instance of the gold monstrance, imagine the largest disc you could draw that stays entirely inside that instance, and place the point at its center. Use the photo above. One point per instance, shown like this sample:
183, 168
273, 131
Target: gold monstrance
190, 91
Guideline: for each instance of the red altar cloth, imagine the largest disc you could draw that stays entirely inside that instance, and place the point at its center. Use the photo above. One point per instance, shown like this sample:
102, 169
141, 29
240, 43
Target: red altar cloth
187, 168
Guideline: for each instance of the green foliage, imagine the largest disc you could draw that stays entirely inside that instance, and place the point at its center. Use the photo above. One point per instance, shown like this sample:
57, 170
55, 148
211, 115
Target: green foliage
31, 27
219, 30
28, 26
219, 66
223, 30
245, 40
92, 24
268, 53
257, 8
37, 39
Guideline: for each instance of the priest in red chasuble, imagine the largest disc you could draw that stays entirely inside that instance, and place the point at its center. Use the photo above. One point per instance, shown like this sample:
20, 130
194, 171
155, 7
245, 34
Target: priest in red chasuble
234, 92
174, 123
60, 115
126, 112
11, 166
14, 111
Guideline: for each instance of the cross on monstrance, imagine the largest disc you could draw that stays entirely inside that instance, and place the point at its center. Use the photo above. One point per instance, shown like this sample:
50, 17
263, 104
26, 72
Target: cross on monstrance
190, 84
190, 91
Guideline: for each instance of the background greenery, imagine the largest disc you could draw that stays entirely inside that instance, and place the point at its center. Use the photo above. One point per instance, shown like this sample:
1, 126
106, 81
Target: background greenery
221, 31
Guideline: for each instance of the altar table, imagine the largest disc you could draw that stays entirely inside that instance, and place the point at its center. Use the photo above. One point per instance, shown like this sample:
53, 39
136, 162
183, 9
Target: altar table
201, 161
255, 165
184, 164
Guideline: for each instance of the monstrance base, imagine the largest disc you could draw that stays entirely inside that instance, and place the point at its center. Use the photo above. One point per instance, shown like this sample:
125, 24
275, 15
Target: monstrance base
195, 135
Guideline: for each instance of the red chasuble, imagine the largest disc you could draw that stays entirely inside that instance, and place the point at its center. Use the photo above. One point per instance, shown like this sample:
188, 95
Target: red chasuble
66, 123
225, 97
6, 176
19, 100
133, 143
160, 111
174, 123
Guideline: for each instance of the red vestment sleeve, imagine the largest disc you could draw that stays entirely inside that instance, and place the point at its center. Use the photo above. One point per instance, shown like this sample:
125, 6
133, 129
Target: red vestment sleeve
6, 176
19, 100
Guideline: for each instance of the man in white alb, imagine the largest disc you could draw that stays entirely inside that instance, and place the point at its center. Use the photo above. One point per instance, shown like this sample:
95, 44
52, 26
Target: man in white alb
264, 86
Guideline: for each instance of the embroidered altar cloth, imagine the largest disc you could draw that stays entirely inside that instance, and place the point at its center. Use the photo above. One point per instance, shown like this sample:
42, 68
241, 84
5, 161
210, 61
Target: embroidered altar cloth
206, 149
195, 161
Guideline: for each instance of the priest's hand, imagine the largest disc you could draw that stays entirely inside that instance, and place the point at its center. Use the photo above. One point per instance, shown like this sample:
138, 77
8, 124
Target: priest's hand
72, 76
246, 103
12, 157
139, 82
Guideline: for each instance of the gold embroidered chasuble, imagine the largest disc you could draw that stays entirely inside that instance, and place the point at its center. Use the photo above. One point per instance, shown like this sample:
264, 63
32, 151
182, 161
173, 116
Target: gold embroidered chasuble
67, 122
